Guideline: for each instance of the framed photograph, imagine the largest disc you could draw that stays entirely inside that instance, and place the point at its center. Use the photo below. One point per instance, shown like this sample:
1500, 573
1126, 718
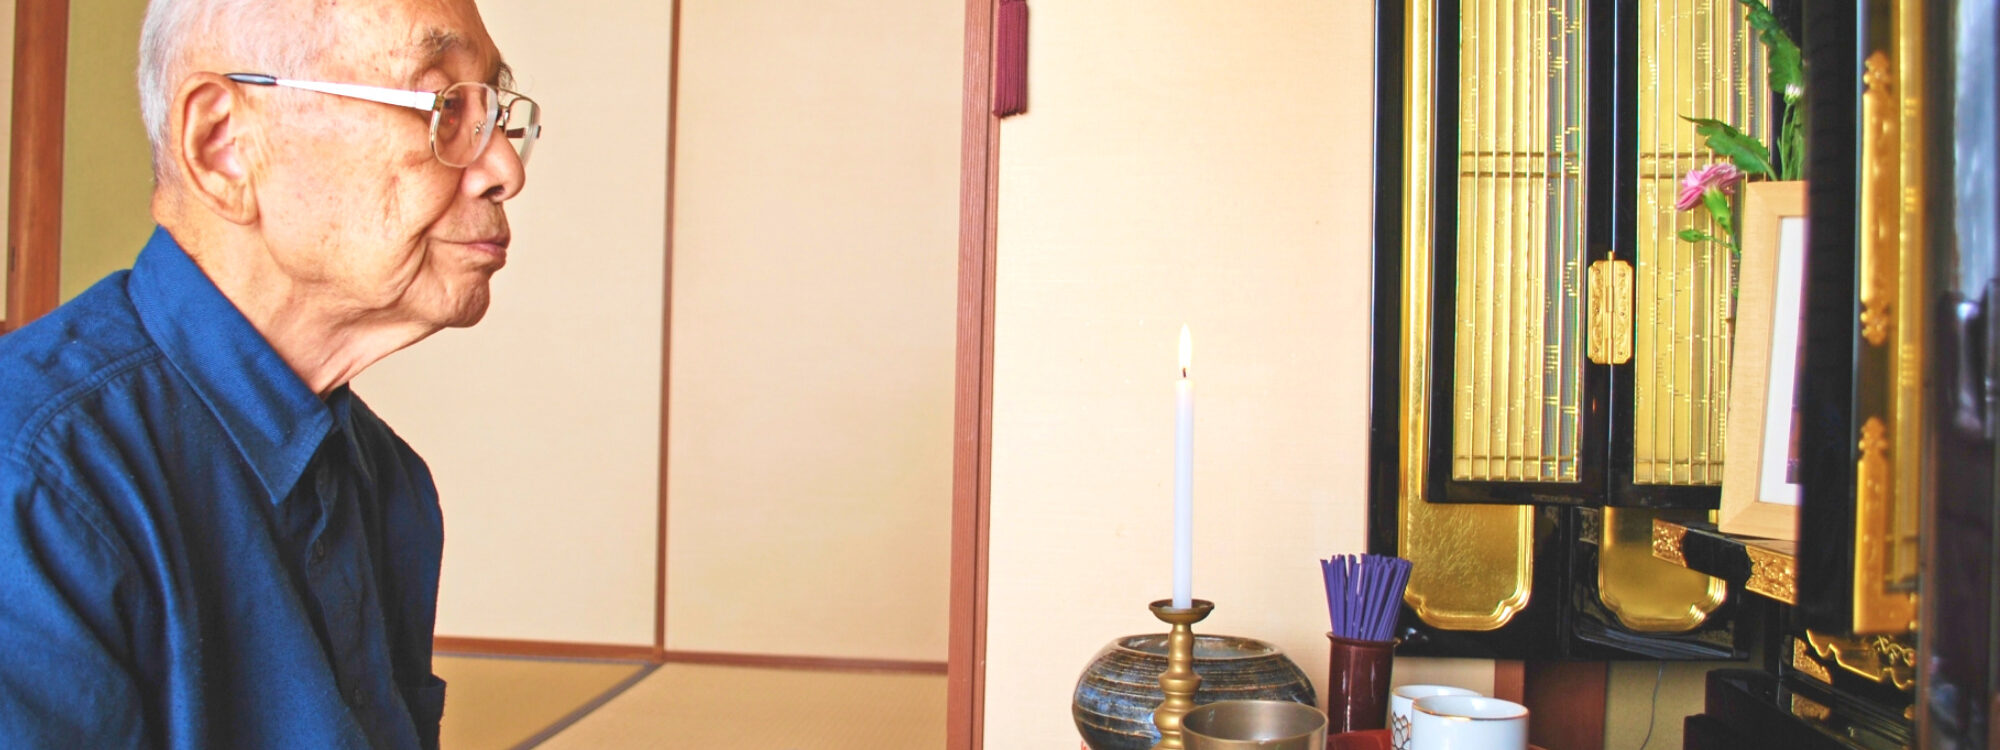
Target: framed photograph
1760, 490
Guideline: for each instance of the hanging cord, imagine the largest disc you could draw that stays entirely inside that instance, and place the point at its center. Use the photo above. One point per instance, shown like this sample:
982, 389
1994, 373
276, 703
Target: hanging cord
1655, 710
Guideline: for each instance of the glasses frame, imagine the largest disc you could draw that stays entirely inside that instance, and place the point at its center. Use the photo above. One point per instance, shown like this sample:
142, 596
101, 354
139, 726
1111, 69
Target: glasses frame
499, 109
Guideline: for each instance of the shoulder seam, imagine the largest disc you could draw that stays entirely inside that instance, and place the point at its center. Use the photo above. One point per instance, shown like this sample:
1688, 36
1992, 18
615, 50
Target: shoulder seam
39, 419
70, 498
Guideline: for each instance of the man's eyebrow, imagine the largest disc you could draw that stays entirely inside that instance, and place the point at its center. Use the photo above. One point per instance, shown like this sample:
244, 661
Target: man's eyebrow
430, 48
434, 43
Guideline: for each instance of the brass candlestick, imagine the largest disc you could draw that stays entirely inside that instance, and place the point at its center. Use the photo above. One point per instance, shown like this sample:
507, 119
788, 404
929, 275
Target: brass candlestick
1179, 681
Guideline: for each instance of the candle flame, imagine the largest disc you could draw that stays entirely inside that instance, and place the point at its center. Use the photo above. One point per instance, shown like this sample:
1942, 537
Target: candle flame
1187, 349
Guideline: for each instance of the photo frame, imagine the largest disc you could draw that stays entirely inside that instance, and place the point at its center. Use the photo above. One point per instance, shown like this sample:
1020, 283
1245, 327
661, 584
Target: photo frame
1760, 491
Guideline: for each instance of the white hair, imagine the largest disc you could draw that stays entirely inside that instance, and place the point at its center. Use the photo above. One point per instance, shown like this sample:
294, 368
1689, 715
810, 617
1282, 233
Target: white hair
261, 36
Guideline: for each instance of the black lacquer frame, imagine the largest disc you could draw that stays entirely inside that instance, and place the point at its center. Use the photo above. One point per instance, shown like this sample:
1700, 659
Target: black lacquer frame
1606, 443
1564, 618
1832, 44
1444, 220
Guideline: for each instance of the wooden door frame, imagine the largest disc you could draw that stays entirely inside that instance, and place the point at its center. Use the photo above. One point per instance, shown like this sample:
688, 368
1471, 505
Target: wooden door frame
34, 199
972, 451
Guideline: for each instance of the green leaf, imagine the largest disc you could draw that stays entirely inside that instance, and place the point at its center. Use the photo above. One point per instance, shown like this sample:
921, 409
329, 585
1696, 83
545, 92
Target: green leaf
1696, 235
1781, 53
1787, 72
1718, 209
1746, 152
1761, 17
1791, 142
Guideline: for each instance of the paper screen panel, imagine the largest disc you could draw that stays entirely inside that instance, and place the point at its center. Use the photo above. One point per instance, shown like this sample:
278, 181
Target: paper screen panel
1519, 352
1697, 58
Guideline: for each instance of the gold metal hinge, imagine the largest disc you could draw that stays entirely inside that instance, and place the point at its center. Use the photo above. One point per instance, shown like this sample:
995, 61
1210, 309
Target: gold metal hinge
1610, 312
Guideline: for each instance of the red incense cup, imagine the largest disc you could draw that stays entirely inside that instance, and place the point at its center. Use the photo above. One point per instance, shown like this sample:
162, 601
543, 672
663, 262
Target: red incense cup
1357, 684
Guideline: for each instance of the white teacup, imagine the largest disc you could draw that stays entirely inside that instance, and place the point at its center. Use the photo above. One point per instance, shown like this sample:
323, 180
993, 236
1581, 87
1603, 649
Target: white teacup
1467, 722
1400, 701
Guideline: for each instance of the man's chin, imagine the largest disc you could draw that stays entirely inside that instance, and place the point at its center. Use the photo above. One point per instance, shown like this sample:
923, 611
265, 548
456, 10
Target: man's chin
467, 306
470, 313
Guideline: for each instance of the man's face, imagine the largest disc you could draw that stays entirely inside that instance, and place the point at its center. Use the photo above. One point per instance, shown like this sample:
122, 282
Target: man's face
360, 213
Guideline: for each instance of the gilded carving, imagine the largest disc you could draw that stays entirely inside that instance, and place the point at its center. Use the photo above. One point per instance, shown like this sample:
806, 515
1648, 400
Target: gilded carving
1807, 708
1881, 658
1773, 574
1610, 332
1876, 610
1902, 524
1621, 320
1803, 661
1667, 540
1880, 214
1600, 313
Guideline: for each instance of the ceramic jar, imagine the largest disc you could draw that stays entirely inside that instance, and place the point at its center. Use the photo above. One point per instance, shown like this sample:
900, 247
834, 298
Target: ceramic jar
1116, 694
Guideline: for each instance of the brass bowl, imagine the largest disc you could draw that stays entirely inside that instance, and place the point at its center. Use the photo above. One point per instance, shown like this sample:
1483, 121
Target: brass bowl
1254, 725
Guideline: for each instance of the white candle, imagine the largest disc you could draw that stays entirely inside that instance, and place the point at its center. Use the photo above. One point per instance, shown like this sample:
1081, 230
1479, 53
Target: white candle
1184, 479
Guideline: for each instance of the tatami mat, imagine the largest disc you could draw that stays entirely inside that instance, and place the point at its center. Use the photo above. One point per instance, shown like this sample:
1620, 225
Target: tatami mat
701, 707
498, 702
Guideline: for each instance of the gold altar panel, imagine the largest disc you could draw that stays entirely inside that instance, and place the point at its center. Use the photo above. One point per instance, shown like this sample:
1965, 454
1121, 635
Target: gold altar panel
1646, 593
1888, 477
1519, 328
1472, 564
1904, 519
1697, 58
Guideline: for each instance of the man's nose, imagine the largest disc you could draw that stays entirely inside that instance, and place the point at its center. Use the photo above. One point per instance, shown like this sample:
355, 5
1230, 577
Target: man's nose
498, 174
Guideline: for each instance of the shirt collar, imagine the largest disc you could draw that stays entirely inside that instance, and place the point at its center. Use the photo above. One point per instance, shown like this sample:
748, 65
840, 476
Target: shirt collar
276, 421
342, 402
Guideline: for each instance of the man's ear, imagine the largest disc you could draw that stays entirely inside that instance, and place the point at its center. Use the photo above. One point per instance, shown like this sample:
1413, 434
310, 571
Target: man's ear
212, 136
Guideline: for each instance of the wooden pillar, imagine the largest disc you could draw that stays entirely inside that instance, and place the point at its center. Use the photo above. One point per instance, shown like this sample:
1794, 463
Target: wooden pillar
34, 210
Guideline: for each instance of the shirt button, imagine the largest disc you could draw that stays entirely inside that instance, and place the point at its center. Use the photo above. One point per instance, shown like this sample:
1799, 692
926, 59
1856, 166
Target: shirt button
357, 697
319, 550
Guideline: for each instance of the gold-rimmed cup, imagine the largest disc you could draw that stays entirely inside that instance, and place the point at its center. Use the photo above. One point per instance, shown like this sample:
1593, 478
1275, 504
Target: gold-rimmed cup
1400, 701
1468, 722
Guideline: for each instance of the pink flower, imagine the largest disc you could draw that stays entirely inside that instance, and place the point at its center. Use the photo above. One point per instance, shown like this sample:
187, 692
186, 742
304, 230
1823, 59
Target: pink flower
1723, 177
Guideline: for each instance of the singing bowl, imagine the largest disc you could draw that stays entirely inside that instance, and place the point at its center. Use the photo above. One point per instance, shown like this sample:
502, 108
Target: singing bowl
1254, 725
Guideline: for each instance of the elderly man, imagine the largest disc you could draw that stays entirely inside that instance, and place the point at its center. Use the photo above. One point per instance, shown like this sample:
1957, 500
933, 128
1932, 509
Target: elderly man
206, 540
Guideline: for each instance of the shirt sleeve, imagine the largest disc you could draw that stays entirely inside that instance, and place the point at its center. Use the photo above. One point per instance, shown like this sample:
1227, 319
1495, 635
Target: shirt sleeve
67, 594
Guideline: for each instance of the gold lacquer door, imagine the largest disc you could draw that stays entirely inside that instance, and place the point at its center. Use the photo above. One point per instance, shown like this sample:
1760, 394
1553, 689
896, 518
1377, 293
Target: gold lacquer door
1511, 268
1559, 349
1696, 60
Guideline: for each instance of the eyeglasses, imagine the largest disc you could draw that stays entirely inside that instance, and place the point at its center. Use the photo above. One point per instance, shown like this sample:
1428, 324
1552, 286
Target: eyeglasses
464, 116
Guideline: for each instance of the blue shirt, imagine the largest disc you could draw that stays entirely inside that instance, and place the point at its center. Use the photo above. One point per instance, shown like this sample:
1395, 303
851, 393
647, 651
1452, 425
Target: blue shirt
196, 551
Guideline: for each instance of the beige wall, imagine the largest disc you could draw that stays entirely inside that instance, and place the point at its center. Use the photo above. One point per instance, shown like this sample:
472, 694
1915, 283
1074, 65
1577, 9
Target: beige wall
542, 423
1198, 163
812, 348
814, 292
107, 168
1645, 702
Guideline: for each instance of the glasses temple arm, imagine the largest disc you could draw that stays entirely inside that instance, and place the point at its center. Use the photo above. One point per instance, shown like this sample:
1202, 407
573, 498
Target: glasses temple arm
418, 100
